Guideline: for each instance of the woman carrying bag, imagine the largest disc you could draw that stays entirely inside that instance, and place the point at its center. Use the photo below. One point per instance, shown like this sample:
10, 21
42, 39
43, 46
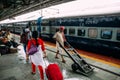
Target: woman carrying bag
37, 57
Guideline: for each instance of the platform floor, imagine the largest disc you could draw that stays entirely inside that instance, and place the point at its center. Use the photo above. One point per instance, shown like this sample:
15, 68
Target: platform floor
14, 67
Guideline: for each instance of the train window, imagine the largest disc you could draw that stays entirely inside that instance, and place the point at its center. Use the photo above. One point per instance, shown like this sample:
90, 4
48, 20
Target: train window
57, 29
65, 31
106, 34
118, 35
53, 30
81, 32
92, 32
71, 31
43, 29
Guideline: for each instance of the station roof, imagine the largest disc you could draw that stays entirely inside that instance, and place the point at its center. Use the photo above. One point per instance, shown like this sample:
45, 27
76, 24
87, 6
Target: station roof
61, 8
11, 8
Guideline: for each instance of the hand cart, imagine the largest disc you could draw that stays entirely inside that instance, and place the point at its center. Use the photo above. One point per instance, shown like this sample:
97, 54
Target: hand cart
79, 63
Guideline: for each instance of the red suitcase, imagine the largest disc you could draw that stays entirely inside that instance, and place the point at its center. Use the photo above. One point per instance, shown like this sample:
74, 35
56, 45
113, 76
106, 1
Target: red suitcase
53, 72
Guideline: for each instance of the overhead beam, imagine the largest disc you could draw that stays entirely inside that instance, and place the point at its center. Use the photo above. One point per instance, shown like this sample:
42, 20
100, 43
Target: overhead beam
40, 5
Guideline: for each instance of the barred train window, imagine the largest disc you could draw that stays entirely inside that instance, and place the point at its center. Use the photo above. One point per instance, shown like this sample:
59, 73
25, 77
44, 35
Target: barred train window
81, 32
53, 30
65, 31
71, 31
92, 32
118, 34
106, 34
44, 29
57, 29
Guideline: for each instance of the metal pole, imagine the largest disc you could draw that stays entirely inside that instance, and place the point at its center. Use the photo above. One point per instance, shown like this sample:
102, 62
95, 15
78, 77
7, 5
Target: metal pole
39, 25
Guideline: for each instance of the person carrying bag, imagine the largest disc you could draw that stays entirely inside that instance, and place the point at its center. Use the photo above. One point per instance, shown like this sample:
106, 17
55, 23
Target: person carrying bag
37, 57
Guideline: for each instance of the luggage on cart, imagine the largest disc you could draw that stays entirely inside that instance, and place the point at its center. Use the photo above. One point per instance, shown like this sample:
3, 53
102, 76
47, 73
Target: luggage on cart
79, 63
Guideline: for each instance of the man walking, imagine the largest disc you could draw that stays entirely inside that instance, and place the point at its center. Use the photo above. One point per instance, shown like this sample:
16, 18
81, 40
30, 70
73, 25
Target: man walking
60, 37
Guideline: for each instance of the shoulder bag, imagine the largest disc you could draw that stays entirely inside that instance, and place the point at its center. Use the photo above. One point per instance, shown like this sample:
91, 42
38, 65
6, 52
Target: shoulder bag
33, 49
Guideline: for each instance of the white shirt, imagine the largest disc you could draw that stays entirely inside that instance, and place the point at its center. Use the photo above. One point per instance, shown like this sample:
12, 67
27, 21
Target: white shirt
59, 37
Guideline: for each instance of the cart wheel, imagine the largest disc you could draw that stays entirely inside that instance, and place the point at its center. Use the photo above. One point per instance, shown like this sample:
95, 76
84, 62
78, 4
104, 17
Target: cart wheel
74, 67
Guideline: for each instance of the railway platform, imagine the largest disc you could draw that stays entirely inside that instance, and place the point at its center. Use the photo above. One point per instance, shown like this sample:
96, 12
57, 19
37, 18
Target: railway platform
14, 67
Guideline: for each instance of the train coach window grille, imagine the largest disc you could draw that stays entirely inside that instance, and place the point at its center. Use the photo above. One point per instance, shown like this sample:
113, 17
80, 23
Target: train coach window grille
81, 32
71, 31
57, 29
92, 32
106, 34
53, 30
43, 29
65, 31
118, 35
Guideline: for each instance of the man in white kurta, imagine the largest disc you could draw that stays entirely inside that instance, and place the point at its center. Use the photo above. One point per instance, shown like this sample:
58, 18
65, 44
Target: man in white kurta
59, 37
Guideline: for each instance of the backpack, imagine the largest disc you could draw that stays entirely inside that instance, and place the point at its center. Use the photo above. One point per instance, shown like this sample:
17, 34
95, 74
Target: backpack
24, 38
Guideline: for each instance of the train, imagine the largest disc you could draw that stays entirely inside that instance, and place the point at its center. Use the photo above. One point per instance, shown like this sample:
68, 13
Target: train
94, 33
